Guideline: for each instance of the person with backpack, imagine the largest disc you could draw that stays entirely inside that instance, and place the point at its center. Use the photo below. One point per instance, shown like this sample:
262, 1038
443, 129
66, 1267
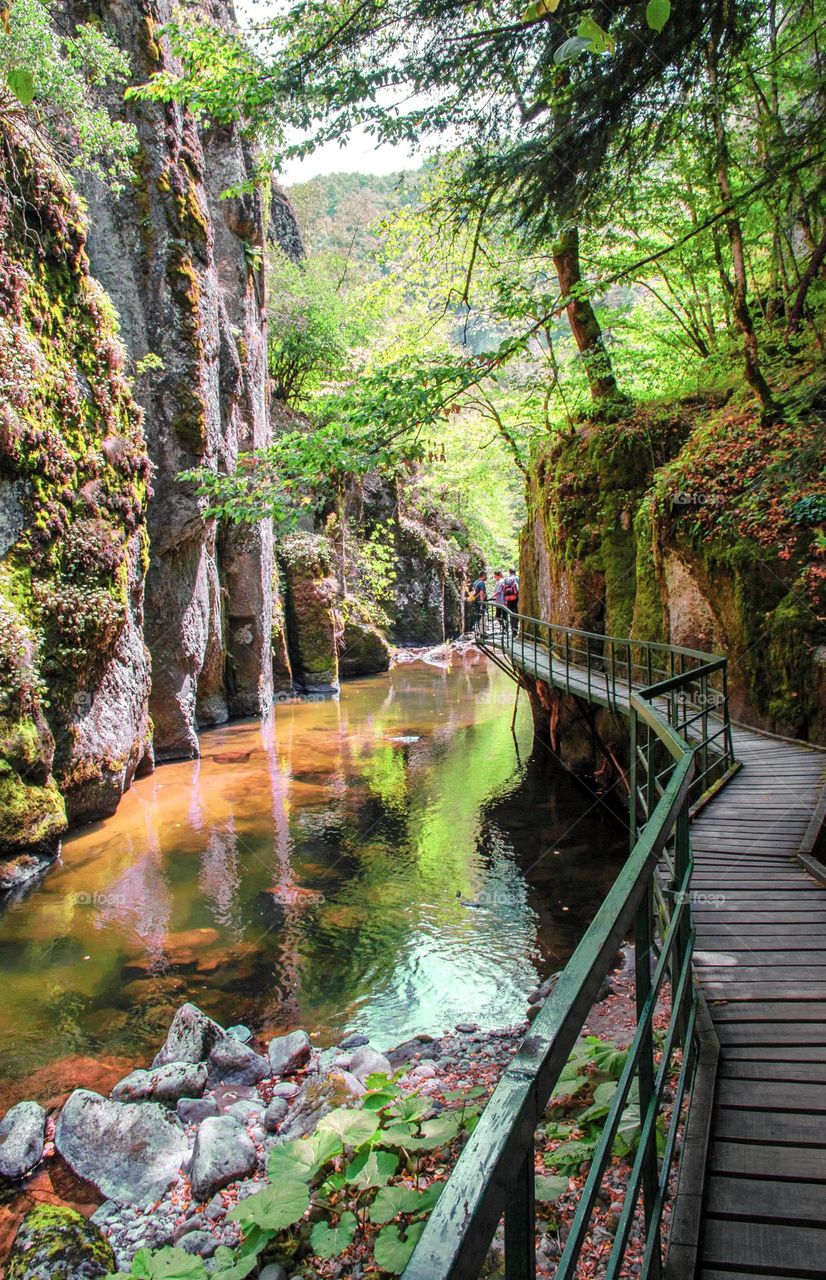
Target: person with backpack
499, 599
479, 595
510, 597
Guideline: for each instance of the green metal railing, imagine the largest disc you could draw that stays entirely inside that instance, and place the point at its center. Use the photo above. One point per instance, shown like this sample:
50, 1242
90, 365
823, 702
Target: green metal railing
680, 743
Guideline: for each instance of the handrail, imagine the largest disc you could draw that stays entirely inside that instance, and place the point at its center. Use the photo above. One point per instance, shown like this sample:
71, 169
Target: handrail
495, 1172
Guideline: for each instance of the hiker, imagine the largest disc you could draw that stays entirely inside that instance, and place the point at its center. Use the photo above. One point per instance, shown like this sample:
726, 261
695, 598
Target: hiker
499, 598
479, 595
510, 597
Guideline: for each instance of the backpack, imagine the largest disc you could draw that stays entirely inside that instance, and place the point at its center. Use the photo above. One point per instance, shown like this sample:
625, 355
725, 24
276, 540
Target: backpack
511, 591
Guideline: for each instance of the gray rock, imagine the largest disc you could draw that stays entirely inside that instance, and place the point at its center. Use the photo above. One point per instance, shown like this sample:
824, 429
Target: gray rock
319, 1095
202, 1244
366, 1062
163, 1084
216, 1209
275, 1113
240, 1032
287, 1089
196, 1223
289, 1053
191, 1037
57, 1243
245, 1110
194, 1110
231, 1062
22, 1137
223, 1153
130, 1153
272, 1271
354, 1041
467, 1027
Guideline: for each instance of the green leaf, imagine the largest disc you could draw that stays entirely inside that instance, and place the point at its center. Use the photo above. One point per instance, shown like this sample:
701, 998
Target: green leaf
167, 1264
21, 84
276, 1207
396, 1135
329, 1242
228, 1268
391, 1201
352, 1127
303, 1157
601, 41
377, 1101
372, 1169
570, 49
549, 1189
392, 1252
413, 1108
657, 13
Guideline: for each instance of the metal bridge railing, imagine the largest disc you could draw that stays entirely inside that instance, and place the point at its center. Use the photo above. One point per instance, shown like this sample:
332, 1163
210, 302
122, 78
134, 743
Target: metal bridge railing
494, 1175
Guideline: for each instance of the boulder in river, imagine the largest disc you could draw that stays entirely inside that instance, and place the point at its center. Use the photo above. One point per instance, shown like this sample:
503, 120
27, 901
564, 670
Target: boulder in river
366, 1062
231, 1062
22, 1135
163, 1084
289, 1053
56, 1243
191, 1037
130, 1153
223, 1153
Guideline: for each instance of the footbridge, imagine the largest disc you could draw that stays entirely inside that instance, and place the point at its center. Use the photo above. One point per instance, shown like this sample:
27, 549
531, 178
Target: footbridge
721, 895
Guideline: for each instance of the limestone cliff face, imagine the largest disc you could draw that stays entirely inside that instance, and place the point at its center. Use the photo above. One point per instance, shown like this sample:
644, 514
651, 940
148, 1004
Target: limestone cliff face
74, 671
182, 266
665, 527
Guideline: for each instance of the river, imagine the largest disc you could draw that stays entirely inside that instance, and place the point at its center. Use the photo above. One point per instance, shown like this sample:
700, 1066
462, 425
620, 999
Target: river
390, 863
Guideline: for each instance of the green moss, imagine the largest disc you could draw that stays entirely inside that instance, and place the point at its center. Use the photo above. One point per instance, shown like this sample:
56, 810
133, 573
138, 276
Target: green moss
30, 816
56, 1243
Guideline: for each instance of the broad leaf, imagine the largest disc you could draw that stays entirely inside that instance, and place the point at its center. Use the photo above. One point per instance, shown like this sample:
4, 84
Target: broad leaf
227, 1268
167, 1264
372, 1169
352, 1127
392, 1252
657, 13
412, 1108
549, 1189
329, 1242
396, 1135
601, 41
276, 1207
21, 84
376, 1101
391, 1201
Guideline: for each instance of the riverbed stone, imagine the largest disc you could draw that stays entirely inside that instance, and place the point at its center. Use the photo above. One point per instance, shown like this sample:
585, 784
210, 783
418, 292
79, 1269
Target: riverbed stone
275, 1113
246, 1110
165, 1084
57, 1243
231, 1062
319, 1095
129, 1152
223, 1153
240, 1032
289, 1053
366, 1062
201, 1244
22, 1136
194, 1110
272, 1271
191, 1037
354, 1041
287, 1089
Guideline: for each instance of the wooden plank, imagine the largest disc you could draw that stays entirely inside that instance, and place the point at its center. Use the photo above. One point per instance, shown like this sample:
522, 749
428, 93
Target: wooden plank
763, 1200
770, 1034
790, 1249
758, 1160
760, 941
725, 1010
782, 1128
799, 1072
771, 1095
758, 1053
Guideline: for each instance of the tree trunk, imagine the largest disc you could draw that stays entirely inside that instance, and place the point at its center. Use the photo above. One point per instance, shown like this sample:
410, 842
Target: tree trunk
815, 263
739, 290
582, 318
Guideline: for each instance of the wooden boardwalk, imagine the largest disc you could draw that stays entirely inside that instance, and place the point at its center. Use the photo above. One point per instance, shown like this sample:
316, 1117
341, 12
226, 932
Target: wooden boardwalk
761, 960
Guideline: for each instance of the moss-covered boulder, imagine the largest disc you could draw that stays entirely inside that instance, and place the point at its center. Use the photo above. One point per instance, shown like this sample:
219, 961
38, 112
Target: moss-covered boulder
364, 650
55, 1243
312, 598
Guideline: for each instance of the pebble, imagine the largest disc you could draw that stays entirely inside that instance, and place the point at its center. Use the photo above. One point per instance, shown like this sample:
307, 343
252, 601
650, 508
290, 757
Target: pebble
272, 1272
354, 1041
240, 1032
195, 1223
467, 1027
275, 1113
288, 1089
202, 1244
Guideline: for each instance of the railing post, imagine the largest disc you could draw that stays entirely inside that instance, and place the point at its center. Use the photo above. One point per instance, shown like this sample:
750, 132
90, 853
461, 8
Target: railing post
588, 663
682, 858
632, 777
642, 968
520, 1224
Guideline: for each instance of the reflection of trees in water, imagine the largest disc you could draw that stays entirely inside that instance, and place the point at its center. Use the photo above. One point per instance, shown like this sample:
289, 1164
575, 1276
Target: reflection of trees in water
219, 879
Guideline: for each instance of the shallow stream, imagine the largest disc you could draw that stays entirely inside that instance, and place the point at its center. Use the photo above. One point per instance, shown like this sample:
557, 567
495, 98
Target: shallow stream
390, 863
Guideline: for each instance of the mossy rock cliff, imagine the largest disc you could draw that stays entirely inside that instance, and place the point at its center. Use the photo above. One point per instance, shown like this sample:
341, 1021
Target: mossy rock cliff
55, 1243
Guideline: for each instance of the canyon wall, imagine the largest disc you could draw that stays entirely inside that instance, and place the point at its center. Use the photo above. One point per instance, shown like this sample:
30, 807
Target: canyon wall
687, 523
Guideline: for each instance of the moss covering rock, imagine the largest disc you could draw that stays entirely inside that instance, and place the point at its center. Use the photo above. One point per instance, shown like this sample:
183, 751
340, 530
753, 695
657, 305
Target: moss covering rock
312, 599
55, 1243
